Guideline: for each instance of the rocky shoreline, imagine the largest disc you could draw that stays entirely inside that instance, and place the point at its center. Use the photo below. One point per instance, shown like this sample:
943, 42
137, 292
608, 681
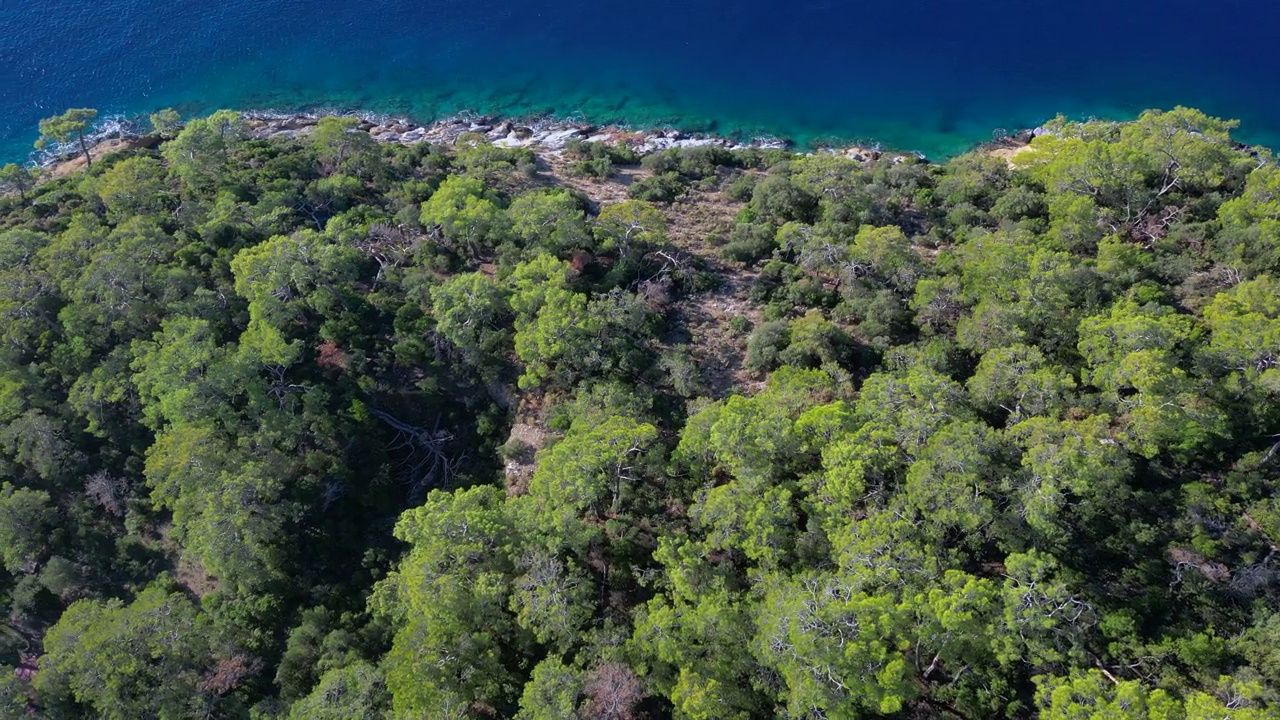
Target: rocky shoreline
547, 135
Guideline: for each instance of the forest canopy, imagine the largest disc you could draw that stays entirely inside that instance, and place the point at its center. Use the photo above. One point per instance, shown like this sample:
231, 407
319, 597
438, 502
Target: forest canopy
321, 427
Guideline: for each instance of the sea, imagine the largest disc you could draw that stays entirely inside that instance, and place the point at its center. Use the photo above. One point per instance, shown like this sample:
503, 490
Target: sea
933, 76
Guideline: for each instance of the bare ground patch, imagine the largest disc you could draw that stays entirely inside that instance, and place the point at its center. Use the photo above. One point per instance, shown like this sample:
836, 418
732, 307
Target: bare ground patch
706, 317
599, 192
528, 436
76, 163
1009, 153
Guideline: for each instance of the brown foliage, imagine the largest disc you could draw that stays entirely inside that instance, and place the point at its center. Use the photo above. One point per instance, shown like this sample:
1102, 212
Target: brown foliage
331, 357
614, 691
229, 673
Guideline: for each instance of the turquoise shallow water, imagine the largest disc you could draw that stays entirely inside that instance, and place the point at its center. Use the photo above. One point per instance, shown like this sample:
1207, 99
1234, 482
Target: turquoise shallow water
929, 75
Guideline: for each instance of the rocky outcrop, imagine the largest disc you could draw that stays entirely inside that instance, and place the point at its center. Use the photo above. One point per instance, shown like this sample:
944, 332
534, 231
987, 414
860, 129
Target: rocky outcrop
547, 135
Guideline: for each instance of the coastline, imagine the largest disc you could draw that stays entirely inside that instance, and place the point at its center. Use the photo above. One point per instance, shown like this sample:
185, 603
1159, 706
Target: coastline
545, 134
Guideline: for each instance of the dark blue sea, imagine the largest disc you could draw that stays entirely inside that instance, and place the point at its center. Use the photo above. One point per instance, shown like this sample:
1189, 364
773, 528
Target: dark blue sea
929, 75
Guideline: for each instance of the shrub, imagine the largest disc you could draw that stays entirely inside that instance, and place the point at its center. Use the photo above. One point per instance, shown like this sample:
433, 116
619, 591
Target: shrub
749, 243
779, 199
658, 188
516, 449
682, 373
1020, 203
660, 163
816, 341
617, 153
600, 168
741, 187
527, 166
767, 343
703, 161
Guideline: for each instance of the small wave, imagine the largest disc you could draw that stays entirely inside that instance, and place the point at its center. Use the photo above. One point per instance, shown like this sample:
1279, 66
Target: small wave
108, 126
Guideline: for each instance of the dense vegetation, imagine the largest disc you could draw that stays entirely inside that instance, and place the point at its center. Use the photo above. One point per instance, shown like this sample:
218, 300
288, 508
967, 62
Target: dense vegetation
1004, 444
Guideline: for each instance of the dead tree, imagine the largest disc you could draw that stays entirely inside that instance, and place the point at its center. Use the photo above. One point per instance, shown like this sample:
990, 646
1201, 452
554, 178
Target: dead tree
427, 464
390, 246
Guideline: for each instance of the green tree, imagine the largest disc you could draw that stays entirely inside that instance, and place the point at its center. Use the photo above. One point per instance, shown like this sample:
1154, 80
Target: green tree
1131, 171
1074, 464
448, 602
132, 187
342, 693
550, 220
229, 511
752, 438
1167, 409
1245, 331
839, 183
148, 658
778, 199
472, 312
341, 144
629, 227
588, 477
766, 345
531, 281
63, 128
1020, 291
1232, 699
886, 254
1018, 380
837, 651
913, 406
1107, 340
284, 279
466, 215
554, 692
951, 478
17, 178
1091, 696
200, 153
119, 293
694, 633
559, 341
817, 342
15, 703
553, 599
182, 373
1044, 624
27, 518
166, 123
1250, 237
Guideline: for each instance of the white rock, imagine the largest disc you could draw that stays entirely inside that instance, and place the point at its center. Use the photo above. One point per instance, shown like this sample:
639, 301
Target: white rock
655, 144
695, 142
560, 138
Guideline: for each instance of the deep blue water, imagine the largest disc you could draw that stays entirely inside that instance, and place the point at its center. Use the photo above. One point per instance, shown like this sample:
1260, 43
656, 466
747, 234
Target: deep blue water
928, 75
